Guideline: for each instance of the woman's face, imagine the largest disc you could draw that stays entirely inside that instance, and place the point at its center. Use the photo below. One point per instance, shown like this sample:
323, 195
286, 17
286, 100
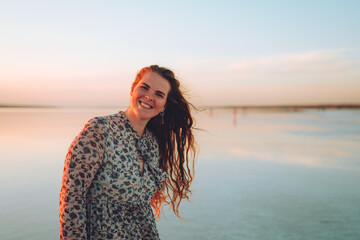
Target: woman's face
149, 96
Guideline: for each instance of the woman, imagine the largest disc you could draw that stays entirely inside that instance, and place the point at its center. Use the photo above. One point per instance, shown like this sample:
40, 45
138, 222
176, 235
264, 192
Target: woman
122, 164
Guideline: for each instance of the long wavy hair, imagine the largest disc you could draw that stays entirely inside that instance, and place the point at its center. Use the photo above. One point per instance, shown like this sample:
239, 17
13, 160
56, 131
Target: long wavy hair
177, 148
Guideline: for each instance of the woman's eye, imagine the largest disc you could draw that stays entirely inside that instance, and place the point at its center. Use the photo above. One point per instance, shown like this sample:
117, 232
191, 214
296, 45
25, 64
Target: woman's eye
160, 95
144, 87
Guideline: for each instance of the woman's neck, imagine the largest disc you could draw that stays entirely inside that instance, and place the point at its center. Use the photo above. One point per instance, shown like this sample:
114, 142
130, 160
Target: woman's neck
138, 124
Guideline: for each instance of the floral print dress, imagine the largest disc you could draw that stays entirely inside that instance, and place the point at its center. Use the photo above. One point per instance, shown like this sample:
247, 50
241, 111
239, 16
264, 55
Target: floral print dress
104, 194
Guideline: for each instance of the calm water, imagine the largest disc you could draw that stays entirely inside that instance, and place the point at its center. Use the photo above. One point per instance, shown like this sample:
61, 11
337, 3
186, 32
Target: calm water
260, 175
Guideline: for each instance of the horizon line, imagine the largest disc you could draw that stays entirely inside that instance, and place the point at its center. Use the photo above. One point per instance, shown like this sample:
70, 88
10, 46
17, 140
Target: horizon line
320, 106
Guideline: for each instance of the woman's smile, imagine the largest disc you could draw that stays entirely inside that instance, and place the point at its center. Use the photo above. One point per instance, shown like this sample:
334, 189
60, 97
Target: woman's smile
145, 105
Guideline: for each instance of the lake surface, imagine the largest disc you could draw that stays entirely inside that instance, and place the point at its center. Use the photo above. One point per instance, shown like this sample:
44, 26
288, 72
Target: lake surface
259, 175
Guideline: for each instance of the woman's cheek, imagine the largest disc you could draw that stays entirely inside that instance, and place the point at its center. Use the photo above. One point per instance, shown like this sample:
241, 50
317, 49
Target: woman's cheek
162, 102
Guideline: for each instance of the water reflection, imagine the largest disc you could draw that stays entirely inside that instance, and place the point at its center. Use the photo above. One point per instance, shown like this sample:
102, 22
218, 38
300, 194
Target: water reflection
259, 174
313, 138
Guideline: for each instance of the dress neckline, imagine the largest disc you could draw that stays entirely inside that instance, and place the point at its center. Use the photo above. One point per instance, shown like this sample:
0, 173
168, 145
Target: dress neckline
136, 134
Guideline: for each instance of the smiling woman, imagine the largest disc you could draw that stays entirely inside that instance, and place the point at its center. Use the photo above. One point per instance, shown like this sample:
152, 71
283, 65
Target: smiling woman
122, 164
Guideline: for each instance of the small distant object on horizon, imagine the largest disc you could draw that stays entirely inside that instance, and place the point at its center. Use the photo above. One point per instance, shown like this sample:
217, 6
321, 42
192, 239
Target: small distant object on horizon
309, 106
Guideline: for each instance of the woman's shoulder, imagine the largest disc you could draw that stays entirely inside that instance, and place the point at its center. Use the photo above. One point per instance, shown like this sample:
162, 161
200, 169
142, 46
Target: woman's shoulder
106, 119
118, 117
102, 122
113, 124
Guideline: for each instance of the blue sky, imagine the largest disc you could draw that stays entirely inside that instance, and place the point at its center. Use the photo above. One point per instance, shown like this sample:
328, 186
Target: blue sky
77, 53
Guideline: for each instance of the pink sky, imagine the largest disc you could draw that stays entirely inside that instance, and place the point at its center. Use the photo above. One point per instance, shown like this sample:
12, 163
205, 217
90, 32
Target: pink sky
314, 77
226, 53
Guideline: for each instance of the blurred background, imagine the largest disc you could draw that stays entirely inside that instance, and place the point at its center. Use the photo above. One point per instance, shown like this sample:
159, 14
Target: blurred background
279, 83
86, 53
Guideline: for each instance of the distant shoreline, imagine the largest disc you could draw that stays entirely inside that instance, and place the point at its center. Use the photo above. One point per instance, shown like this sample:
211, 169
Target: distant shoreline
52, 107
25, 106
293, 107
254, 107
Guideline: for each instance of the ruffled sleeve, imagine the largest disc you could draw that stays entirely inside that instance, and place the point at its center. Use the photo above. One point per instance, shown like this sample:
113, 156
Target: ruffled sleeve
82, 161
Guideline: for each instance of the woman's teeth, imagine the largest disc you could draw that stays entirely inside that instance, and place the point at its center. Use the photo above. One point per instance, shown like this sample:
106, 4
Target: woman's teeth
145, 105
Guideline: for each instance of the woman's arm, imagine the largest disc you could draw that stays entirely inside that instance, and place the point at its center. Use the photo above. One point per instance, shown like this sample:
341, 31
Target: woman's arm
83, 159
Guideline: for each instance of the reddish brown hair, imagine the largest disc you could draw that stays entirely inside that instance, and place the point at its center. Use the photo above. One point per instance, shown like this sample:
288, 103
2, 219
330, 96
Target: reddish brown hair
176, 143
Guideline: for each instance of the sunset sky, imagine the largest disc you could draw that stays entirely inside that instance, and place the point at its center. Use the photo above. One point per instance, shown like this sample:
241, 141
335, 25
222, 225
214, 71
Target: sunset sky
87, 53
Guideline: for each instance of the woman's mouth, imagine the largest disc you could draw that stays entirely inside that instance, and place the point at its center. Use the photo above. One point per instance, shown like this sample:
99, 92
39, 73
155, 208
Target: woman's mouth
145, 105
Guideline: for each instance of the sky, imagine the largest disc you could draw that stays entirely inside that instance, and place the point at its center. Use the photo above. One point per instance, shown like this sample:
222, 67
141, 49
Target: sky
87, 53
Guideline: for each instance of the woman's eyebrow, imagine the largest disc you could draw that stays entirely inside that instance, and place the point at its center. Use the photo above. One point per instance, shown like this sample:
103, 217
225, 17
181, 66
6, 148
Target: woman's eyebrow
145, 85
161, 93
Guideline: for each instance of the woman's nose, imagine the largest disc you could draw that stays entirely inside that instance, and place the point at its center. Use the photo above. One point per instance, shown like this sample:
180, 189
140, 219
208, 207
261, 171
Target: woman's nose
149, 97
